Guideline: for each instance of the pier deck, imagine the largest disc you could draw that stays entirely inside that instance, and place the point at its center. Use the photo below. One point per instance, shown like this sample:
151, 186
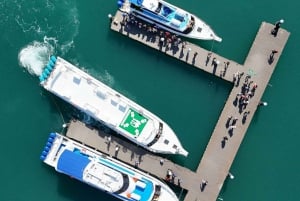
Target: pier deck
219, 154
130, 153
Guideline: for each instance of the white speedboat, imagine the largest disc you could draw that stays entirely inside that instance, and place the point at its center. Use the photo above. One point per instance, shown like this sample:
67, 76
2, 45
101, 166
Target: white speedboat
169, 17
103, 172
109, 107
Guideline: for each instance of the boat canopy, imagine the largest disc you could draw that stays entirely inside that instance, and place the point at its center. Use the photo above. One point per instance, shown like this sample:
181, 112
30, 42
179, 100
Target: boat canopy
72, 164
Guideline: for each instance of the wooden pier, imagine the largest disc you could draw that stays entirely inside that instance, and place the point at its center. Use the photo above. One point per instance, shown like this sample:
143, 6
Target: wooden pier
130, 153
226, 137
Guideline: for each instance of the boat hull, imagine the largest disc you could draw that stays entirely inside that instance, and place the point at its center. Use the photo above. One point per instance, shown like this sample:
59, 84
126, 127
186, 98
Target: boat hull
109, 107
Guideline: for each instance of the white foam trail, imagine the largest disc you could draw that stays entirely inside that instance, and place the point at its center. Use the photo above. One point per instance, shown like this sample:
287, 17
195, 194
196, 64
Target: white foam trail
35, 56
64, 48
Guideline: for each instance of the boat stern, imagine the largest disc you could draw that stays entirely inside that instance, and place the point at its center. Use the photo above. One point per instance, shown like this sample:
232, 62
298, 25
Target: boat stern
48, 69
51, 148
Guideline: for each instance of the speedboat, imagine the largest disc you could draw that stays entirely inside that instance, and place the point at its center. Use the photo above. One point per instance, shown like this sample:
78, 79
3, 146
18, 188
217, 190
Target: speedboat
169, 17
109, 107
103, 172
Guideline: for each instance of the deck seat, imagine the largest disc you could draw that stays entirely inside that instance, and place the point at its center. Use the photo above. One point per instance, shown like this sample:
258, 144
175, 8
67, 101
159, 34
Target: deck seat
141, 185
135, 196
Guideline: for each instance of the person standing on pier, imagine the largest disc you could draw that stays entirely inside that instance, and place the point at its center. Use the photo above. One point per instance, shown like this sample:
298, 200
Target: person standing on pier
271, 57
276, 28
203, 185
208, 58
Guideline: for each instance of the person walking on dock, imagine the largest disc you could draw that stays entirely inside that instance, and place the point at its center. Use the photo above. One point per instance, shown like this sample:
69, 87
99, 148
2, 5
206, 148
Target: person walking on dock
203, 185
136, 164
208, 58
234, 121
228, 121
226, 64
194, 58
179, 182
223, 142
276, 28
195, 55
213, 62
271, 57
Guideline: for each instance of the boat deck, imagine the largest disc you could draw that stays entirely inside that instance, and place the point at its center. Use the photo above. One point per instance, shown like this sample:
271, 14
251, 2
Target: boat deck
220, 152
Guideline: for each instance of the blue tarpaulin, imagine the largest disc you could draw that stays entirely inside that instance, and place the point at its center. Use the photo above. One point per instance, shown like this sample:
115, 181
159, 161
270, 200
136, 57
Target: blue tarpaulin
72, 164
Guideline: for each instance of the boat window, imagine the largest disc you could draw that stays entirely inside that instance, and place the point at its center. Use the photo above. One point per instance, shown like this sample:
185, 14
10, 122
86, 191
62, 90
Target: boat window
166, 11
190, 26
122, 107
114, 102
179, 17
125, 184
100, 94
76, 79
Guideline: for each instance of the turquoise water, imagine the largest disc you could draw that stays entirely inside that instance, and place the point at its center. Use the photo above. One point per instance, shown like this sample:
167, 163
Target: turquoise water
189, 100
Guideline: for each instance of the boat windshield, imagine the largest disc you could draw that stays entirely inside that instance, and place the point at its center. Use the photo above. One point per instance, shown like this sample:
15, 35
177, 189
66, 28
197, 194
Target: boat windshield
125, 184
157, 136
166, 11
190, 26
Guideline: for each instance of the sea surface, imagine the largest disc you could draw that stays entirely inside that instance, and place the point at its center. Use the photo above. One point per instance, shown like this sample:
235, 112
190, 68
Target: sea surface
267, 165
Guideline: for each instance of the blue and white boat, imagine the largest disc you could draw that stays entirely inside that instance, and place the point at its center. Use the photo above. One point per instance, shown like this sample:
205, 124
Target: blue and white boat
169, 18
103, 172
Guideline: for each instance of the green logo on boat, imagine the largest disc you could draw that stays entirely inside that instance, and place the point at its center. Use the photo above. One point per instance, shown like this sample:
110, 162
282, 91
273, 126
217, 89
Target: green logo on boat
133, 122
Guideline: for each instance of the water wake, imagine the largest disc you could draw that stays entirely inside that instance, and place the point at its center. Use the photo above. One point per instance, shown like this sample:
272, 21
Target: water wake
34, 57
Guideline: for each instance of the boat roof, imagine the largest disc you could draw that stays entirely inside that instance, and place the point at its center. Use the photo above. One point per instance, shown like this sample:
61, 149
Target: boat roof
79, 166
101, 102
72, 164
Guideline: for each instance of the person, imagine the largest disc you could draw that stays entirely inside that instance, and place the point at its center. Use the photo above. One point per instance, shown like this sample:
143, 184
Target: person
109, 139
136, 164
117, 148
272, 54
276, 28
203, 184
208, 58
179, 181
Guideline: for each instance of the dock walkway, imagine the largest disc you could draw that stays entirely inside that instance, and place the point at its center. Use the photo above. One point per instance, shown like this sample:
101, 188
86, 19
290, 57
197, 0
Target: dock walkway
184, 51
249, 83
130, 154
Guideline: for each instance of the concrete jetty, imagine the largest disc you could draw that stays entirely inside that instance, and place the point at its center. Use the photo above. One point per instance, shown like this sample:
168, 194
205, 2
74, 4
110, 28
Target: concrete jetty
249, 83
